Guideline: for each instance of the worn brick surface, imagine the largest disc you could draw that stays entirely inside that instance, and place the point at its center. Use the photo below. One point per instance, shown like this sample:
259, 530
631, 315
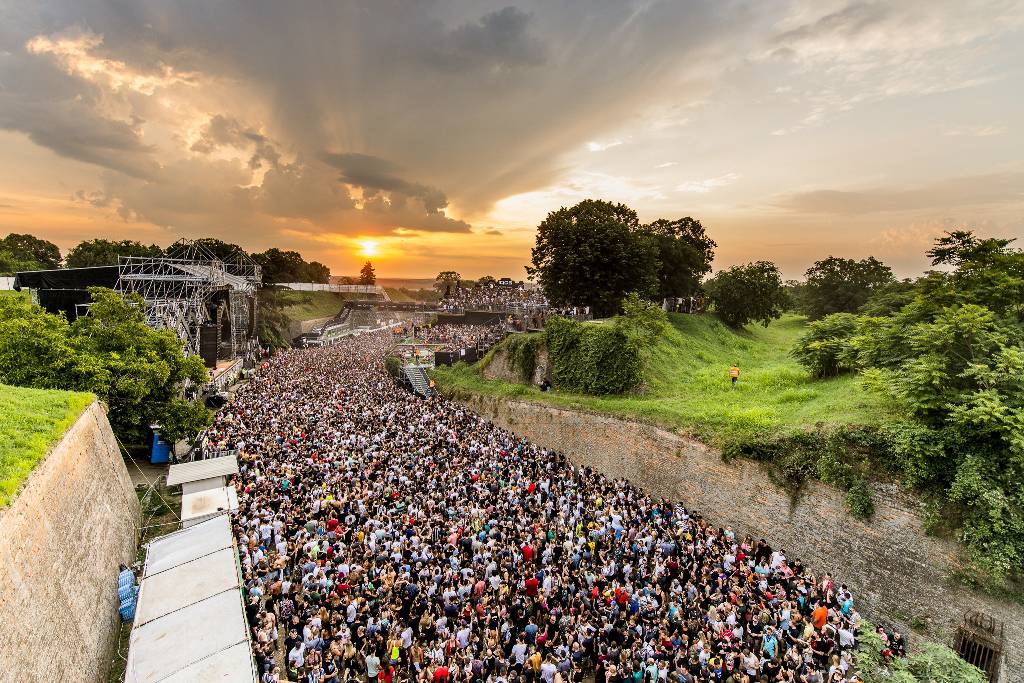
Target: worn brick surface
61, 541
899, 573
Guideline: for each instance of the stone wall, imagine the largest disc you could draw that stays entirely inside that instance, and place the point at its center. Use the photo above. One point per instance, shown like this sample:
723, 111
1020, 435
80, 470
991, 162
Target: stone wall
61, 541
500, 368
900, 574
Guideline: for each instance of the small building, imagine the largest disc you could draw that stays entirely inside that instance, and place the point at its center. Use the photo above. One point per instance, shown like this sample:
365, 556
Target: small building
202, 475
203, 505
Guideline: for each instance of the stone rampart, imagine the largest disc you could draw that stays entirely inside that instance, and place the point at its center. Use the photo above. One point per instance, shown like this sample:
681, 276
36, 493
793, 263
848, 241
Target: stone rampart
61, 541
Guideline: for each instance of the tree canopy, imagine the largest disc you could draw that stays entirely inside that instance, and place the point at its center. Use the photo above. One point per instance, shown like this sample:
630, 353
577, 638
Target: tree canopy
593, 254
748, 293
446, 281
842, 285
27, 252
685, 253
138, 371
101, 252
289, 266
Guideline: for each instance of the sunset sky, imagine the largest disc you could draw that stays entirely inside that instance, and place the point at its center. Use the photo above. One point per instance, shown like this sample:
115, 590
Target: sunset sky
436, 135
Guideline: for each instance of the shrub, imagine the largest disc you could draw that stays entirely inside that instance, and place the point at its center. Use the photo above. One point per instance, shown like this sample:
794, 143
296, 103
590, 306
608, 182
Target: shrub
826, 349
521, 351
592, 359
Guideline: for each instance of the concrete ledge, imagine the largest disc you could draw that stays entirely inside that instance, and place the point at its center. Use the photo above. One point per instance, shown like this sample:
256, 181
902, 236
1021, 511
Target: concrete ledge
61, 541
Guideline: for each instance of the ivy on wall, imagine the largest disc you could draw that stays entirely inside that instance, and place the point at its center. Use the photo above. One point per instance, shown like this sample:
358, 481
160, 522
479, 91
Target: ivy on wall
592, 359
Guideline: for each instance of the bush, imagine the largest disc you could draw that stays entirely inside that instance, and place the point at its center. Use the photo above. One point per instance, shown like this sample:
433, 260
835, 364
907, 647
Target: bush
858, 500
592, 359
393, 365
932, 663
826, 349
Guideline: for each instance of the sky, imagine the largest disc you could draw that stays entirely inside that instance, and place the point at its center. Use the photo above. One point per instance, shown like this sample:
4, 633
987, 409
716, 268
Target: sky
429, 135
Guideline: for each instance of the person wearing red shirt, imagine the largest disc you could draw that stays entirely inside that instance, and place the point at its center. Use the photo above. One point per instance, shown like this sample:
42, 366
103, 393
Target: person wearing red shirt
532, 585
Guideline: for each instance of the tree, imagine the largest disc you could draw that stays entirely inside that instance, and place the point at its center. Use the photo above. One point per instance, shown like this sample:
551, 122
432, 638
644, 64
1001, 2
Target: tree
101, 252
593, 254
289, 266
139, 372
219, 249
28, 248
447, 281
825, 348
11, 263
750, 293
367, 276
486, 280
641, 320
840, 285
685, 253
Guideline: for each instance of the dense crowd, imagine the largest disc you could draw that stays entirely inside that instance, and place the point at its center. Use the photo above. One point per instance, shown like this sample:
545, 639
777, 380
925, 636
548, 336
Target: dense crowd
455, 337
493, 297
385, 537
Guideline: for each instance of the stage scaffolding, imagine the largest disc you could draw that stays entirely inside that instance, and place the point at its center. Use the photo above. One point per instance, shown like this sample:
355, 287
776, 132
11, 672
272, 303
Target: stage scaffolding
178, 287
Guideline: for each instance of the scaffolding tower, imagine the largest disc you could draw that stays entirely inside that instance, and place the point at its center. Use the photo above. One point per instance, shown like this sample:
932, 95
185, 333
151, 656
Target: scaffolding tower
177, 289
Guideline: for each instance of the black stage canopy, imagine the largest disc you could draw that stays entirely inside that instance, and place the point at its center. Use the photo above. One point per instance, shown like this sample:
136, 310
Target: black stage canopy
65, 289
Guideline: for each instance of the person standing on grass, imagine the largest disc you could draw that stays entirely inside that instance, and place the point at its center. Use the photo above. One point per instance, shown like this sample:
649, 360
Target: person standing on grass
734, 374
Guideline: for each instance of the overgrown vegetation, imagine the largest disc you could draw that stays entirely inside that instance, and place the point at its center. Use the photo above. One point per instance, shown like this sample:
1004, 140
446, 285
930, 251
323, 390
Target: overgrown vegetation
930, 662
521, 351
31, 421
950, 361
592, 359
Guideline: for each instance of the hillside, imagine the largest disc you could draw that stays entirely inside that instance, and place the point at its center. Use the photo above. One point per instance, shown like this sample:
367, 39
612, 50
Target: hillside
31, 420
312, 305
687, 384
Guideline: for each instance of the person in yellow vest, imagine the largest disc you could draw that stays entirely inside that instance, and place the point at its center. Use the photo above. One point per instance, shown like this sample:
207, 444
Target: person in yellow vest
734, 374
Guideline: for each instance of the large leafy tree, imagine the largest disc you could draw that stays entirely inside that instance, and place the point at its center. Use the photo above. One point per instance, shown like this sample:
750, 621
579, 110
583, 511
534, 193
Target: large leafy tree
685, 253
139, 372
30, 249
101, 252
447, 281
367, 275
842, 285
289, 266
748, 293
593, 254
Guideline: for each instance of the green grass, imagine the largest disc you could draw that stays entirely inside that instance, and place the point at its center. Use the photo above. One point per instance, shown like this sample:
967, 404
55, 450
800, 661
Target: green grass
31, 420
687, 384
312, 305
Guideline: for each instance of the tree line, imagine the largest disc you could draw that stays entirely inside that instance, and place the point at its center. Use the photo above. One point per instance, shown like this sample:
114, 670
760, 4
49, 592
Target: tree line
20, 252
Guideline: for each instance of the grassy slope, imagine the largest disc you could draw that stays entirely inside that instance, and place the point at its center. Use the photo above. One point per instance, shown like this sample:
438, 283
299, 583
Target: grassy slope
31, 420
311, 305
688, 386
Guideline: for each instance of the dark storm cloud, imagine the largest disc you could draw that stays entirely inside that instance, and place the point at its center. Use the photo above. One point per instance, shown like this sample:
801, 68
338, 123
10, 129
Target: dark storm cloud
497, 39
375, 174
224, 131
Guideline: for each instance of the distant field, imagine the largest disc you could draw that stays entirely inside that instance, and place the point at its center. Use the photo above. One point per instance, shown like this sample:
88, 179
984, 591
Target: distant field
31, 420
687, 384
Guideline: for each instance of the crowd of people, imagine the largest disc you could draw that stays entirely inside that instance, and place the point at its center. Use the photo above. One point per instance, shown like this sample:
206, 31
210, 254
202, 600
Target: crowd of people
493, 297
384, 537
455, 337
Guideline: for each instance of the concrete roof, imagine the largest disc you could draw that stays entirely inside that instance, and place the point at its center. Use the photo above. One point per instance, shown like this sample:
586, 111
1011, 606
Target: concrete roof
186, 545
189, 637
190, 620
198, 470
208, 502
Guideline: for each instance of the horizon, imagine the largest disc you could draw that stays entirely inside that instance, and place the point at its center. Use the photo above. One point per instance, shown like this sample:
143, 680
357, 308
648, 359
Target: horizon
436, 136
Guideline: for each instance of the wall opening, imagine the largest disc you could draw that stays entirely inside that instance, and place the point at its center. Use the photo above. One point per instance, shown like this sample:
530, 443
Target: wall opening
979, 640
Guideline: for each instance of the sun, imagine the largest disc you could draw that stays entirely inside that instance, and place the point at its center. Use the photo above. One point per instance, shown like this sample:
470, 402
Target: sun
368, 247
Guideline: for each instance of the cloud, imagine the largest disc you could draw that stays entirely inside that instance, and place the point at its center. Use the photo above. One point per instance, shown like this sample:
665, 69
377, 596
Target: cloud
667, 164
976, 131
986, 189
499, 39
708, 184
374, 174
594, 146
225, 131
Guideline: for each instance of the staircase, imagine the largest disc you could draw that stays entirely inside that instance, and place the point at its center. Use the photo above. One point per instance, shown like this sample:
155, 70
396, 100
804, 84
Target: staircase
418, 378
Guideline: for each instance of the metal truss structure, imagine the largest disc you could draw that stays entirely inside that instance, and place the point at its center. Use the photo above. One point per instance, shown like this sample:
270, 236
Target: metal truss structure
177, 289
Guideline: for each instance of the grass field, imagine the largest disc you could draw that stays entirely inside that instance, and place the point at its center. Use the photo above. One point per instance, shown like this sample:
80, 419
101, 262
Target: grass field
687, 384
311, 305
31, 420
